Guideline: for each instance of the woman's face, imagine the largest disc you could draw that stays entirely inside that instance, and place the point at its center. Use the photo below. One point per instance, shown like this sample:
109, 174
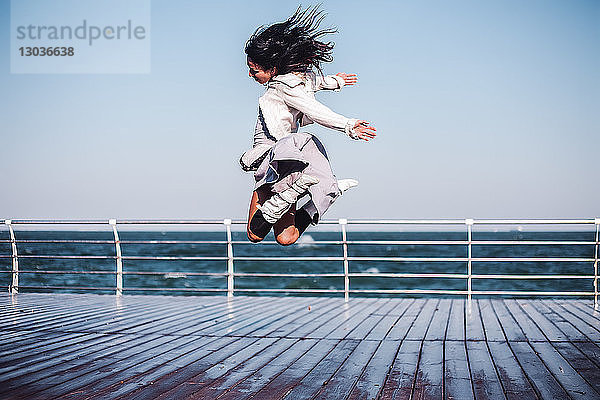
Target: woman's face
258, 73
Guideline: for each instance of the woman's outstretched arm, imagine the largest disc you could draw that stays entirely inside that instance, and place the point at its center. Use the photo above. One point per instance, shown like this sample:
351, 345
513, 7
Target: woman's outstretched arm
349, 79
296, 97
335, 82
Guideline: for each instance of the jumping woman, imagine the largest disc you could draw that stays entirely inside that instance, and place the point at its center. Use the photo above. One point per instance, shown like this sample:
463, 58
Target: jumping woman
287, 164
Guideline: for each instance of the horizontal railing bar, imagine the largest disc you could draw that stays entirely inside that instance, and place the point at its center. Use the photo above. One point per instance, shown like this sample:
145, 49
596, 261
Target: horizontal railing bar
114, 272
430, 242
543, 259
464, 259
68, 257
333, 275
406, 275
393, 259
530, 242
463, 242
434, 242
58, 222
33, 271
356, 274
164, 258
244, 274
292, 290
124, 257
170, 222
401, 222
409, 291
106, 222
298, 244
321, 242
476, 221
137, 289
112, 242
474, 292
67, 287
465, 276
120, 222
288, 258
413, 259
174, 242
381, 291
525, 277
61, 241
534, 221
175, 273
531, 293
125, 288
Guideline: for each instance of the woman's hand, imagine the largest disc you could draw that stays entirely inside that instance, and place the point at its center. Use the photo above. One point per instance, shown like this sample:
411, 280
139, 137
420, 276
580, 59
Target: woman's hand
362, 130
349, 79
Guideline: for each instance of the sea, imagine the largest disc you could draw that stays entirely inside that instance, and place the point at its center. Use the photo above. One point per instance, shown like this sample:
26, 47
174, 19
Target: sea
57, 254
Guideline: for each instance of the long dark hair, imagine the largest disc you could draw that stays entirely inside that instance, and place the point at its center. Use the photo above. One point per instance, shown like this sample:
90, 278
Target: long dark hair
292, 45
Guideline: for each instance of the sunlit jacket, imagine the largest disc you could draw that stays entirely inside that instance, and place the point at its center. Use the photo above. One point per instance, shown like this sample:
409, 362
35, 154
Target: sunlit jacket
288, 103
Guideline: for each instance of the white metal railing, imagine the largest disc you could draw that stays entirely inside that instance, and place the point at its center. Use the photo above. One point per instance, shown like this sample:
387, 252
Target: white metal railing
345, 259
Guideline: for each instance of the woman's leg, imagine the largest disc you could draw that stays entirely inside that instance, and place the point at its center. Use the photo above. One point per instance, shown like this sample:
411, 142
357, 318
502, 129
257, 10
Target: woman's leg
285, 230
303, 220
291, 226
259, 232
268, 209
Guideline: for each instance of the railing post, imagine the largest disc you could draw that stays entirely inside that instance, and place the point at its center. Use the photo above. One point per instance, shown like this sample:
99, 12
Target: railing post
14, 286
343, 222
119, 274
469, 222
597, 223
230, 282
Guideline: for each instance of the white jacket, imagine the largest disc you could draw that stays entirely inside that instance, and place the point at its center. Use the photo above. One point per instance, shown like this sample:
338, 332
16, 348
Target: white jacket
288, 103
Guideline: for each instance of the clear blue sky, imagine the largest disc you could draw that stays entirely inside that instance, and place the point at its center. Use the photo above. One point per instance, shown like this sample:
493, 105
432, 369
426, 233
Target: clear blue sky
485, 109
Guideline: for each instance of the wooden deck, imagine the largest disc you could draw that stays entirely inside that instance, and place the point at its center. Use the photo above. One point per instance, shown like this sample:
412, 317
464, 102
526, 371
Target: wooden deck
157, 347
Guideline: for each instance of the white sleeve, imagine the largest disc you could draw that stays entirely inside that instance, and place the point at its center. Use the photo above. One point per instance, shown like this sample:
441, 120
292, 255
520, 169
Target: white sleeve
330, 82
261, 133
262, 143
298, 99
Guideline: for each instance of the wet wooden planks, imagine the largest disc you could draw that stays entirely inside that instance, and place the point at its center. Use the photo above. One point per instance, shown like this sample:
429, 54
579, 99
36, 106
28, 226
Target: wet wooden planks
162, 347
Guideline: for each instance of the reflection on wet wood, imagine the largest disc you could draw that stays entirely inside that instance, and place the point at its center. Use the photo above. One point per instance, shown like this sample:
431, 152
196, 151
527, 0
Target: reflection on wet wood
140, 347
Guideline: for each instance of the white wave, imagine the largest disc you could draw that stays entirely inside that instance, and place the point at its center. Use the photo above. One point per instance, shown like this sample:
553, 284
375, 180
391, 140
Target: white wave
306, 241
372, 270
174, 275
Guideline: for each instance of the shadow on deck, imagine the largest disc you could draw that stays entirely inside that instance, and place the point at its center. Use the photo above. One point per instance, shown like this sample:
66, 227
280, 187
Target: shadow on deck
155, 347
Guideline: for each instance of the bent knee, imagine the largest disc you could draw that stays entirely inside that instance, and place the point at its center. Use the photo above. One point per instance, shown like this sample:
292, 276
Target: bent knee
287, 238
254, 238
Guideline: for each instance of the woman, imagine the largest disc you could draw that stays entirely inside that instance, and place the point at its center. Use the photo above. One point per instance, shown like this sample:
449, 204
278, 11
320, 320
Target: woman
289, 164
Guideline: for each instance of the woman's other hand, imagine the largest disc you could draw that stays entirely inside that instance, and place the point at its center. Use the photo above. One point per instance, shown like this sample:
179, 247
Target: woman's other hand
362, 130
349, 79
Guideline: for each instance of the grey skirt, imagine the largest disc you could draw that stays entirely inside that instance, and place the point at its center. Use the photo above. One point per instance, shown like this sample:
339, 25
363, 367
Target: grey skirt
293, 155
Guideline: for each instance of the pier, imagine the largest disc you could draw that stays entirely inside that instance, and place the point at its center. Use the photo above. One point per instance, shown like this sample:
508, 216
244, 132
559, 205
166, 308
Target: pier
88, 346
465, 341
